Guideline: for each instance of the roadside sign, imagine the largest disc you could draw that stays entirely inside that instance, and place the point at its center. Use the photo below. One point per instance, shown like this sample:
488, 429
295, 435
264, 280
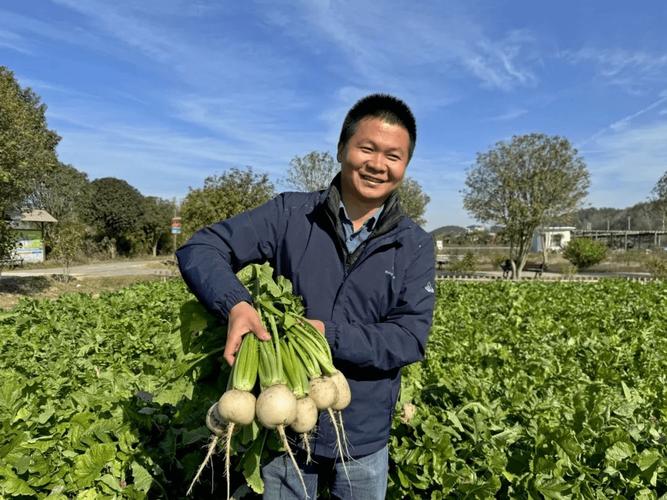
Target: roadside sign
176, 225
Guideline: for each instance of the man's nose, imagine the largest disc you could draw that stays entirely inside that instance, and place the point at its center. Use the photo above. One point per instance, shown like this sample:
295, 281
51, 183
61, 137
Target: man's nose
376, 162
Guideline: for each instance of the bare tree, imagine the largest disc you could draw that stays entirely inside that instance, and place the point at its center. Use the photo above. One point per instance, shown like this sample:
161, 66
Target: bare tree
311, 172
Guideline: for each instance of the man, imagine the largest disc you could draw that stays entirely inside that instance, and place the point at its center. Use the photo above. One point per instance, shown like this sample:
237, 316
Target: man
365, 272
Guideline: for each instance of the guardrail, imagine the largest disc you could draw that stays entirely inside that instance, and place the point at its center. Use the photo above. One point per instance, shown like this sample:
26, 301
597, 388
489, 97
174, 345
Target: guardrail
453, 276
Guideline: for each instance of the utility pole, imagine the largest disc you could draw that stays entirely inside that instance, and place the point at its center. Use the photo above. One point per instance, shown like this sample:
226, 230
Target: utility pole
175, 227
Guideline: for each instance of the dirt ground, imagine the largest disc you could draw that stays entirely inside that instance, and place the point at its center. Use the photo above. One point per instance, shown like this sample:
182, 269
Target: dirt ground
14, 288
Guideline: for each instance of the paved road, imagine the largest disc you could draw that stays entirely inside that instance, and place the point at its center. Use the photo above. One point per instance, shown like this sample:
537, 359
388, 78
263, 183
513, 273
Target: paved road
156, 267
104, 269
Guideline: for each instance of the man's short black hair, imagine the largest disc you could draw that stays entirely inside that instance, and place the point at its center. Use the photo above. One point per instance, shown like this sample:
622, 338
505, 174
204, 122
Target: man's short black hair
388, 108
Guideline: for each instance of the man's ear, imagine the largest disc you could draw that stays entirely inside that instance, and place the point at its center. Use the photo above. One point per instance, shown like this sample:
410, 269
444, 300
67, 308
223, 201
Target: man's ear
339, 154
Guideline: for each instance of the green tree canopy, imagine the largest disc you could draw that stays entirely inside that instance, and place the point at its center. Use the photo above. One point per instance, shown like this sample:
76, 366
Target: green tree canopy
224, 196
311, 172
27, 147
115, 211
63, 192
523, 184
413, 200
660, 190
156, 221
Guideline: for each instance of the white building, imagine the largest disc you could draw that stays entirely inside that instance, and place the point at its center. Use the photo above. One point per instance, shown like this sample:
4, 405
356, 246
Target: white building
554, 238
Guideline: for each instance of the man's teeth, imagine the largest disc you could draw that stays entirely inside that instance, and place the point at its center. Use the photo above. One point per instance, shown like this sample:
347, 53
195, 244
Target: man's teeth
370, 179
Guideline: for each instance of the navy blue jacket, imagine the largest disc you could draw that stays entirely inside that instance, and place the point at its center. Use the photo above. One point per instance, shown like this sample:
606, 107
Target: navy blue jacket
376, 303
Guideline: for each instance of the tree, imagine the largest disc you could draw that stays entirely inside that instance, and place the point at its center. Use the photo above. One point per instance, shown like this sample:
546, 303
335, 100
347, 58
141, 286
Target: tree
27, 146
115, 211
660, 194
64, 192
224, 196
523, 184
156, 221
7, 242
68, 242
660, 189
311, 172
413, 200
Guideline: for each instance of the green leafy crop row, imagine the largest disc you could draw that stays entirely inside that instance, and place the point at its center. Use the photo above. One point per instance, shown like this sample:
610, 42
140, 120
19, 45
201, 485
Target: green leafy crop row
529, 390
537, 390
98, 398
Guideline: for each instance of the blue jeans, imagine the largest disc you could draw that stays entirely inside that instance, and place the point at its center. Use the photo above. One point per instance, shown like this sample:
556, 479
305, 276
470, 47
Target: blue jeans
367, 477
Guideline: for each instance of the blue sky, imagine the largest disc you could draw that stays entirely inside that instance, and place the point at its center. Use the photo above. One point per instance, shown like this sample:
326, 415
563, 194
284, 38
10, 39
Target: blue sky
165, 93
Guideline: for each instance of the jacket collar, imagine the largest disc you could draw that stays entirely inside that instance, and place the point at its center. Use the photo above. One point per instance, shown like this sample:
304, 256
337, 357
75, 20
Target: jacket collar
389, 218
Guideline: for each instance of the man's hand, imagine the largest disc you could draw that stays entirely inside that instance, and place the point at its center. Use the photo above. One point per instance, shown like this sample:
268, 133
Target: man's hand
242, 319
317, 324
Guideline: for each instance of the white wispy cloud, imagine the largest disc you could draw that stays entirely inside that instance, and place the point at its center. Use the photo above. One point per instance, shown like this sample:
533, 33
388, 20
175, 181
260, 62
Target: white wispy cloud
13, 41
31, 32
631, 70
448, 42
622, 123
235, 93
626, 163
508, 115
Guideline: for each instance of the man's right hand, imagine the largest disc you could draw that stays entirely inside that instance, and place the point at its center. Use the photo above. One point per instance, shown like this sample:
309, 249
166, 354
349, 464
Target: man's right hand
242, 319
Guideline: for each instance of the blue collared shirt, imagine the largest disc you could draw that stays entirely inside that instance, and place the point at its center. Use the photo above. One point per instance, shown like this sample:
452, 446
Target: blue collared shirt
354, 239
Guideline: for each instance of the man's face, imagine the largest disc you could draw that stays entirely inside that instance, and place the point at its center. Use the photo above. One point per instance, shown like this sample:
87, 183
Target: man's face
373, 161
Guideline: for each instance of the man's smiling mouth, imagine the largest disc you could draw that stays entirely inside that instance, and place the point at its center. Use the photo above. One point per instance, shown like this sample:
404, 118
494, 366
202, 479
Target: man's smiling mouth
372, 179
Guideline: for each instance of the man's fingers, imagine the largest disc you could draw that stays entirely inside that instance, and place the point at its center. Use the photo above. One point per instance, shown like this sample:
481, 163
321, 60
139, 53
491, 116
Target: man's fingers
231, 348
261, 332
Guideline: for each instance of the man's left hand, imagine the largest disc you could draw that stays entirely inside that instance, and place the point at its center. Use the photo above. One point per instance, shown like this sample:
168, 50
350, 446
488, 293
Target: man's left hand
319, 326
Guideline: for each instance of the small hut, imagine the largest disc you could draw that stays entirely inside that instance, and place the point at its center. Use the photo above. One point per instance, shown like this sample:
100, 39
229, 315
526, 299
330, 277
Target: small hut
29, 228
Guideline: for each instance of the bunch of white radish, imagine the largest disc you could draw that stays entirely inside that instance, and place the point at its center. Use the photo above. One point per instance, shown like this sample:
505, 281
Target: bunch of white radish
297, 377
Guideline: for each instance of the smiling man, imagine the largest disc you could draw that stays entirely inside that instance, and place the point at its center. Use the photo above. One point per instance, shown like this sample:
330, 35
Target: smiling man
365, 272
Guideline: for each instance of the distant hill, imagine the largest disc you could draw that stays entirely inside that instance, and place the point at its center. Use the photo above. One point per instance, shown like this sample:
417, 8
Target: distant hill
448, 230
647, 216
643, 216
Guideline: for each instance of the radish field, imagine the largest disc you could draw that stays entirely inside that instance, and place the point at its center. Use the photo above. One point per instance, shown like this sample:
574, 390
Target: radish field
529, 390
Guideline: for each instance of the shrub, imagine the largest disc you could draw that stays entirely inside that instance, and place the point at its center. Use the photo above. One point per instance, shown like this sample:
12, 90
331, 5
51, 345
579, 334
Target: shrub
584, 252
657, 267
467, 264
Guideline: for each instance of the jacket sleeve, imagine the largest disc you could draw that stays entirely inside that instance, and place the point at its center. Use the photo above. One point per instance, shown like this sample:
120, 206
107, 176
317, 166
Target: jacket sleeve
209, 260
401, 338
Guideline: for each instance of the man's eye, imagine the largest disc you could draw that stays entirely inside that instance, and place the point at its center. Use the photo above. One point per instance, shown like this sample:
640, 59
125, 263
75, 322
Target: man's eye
366, 149
394, 157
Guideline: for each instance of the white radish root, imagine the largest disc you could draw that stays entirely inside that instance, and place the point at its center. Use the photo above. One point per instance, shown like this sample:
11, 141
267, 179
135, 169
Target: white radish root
276, 406
217, 426
306, 415
323, 392
283, 438
237, 406
343, 390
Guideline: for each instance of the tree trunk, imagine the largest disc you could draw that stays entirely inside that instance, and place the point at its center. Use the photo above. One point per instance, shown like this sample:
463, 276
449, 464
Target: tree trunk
155, 249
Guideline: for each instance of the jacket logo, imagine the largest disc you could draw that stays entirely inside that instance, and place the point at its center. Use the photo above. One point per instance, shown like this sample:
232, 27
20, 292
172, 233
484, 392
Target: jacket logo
389, 273
429, 288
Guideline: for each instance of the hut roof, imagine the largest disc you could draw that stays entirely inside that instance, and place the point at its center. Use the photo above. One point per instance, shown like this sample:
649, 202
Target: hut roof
36, 216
